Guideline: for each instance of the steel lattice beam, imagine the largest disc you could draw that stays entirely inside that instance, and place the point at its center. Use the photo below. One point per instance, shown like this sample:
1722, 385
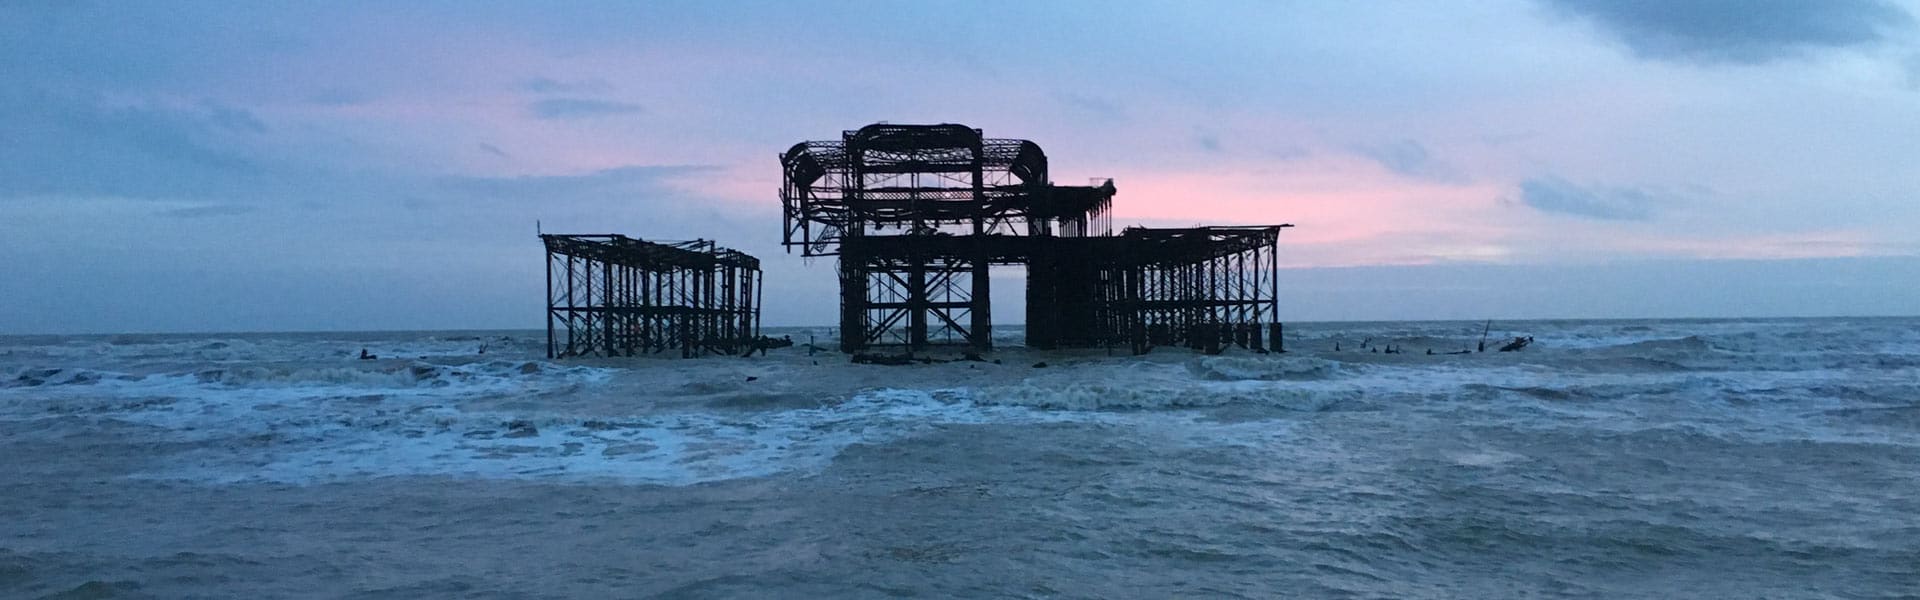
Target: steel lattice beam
917, 214
611, 295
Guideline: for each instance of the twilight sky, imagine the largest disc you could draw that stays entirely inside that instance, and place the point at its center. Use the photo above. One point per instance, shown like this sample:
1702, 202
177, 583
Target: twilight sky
213, 166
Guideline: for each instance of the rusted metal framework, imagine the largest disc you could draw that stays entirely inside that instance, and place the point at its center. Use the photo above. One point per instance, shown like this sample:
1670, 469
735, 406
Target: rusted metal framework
1204, 288
918, 213
612, 295
904, 180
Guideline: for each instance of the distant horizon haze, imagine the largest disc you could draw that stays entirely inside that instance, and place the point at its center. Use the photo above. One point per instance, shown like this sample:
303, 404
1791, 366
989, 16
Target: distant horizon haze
1863, 288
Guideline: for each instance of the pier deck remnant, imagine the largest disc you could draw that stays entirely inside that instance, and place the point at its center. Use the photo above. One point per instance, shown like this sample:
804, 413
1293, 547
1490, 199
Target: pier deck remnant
612, 295
918, 213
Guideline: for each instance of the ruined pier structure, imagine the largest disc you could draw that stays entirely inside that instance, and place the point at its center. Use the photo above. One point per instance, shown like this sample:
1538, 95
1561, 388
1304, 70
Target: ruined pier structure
611, 295
918, 213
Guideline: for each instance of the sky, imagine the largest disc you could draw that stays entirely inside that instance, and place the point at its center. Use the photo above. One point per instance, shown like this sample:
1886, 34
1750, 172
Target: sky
241, 166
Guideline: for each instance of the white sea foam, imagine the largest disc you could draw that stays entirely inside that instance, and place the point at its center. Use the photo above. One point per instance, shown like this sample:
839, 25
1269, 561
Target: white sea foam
671, 449
1624, 445
1265, 368
265, 408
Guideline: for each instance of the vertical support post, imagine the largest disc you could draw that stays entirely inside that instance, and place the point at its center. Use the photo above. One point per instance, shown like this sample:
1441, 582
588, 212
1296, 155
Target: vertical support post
570, 307
549, 310
853, 304
689, 338
982, 299
709, 307
607, 307
982, 310
1273, 278
917, 304
662, 327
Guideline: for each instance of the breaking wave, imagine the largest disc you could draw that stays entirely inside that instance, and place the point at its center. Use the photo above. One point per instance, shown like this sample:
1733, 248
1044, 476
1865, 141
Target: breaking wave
389, 375
1283, 368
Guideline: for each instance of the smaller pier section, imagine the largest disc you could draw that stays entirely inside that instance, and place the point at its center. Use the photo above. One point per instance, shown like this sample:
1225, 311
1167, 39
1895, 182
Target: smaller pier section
612, 295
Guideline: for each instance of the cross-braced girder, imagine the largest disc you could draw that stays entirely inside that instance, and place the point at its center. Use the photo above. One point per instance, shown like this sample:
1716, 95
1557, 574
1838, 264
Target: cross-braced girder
917, 213
611, 295
927, 179
912, 301
1204, 288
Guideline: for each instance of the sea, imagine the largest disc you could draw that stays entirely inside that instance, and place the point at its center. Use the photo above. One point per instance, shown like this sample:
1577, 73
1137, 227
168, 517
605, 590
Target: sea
1771, 458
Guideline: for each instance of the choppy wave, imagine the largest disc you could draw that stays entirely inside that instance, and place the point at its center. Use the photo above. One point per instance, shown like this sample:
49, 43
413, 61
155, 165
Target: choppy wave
1609, 459
385, 375
56, 376
377, 437
182, 348
1263, 368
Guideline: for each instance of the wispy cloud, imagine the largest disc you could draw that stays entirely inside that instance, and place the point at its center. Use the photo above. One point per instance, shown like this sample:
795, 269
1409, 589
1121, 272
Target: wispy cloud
1739, 31
233, 119
1208, 142
67, 144
1409, 158
337, 96
1613, 203
581, 108
1094, 106
208, 210
548, 85
628, 183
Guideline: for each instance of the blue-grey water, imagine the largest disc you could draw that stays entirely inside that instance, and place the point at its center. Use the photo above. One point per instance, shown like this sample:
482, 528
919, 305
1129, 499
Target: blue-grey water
1611, 459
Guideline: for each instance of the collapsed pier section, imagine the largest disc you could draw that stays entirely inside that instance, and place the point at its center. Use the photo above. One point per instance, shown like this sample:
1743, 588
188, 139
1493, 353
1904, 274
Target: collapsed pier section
1204, 288
917, 214
612, 295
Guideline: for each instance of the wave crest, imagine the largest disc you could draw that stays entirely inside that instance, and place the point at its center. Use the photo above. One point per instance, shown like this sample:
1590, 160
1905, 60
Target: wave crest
1256, 368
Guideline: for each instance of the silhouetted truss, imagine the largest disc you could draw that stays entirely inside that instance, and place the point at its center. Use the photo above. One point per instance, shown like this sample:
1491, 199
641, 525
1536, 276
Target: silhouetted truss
611, 295
918, 213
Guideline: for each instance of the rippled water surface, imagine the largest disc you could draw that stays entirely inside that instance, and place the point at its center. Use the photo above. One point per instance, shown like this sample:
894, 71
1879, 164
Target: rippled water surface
1611, 459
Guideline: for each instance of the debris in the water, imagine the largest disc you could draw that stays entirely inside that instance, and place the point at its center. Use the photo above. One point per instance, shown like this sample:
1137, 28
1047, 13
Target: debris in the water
521, 429
1517, 343
883, 359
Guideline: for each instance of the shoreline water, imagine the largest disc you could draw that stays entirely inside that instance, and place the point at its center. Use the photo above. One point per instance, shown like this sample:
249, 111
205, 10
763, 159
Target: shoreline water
1616, 459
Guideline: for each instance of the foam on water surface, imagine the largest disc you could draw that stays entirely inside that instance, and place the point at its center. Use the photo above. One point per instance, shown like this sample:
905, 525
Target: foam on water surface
1610, 459
299, 409
679, 448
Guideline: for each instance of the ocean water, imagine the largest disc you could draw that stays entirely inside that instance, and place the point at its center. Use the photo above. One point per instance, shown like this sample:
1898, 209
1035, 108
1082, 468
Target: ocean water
1611, 459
